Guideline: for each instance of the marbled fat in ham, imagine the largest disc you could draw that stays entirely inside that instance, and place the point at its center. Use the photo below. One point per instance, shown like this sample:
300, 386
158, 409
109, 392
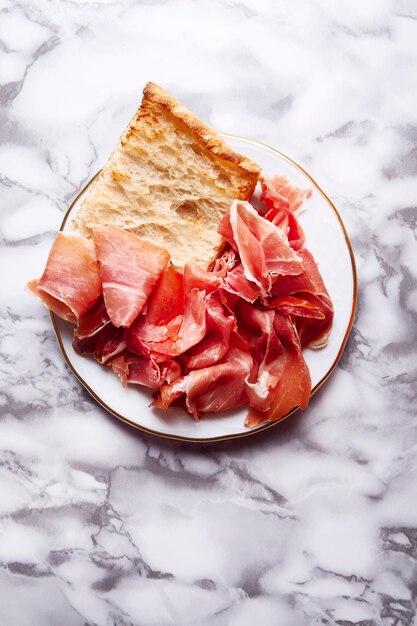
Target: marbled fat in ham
147, 371
294, 385
306, 298
187, 325
95, 334
282, 202
129, 270
70, 283
215, 343
217, 388
263, 248
276, 349
277, 193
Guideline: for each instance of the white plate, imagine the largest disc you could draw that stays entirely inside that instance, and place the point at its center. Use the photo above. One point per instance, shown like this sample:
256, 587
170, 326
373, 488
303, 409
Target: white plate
325, 237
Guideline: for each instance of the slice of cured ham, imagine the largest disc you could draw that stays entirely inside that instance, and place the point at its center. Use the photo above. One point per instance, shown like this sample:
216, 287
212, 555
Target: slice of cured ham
297, 307
290, 226
129, 270
309, 281
237, 283
215, 343
282, 201
53, 304
167, 298
256, 327
311, 304
211, 389
137, 370
164, 312
263, 248
278, 194
229, 268
197, 277
288, 367
95, 335
293, 391
70, 284
226, 262
191, 330
174, 337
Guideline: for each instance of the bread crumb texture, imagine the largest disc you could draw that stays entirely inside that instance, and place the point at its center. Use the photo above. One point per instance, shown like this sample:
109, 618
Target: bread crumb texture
169, 180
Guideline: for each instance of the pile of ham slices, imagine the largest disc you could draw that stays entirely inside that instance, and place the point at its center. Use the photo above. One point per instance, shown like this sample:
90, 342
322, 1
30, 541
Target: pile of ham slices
210, 341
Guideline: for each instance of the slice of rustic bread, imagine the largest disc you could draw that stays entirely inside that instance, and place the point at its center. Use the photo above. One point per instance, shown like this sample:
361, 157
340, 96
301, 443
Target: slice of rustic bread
169, 180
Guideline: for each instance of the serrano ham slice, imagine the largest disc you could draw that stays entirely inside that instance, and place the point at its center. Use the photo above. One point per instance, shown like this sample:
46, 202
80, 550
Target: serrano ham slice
95, 335
134, 369
297, 307
237, 283
53, 304
277, 193
226, 262
166, 302
197, 277
129, 270
289, 225
263, 248
164, 312
282, 201
229, 268
70, 284
191, 329
215, 343
256, 327
293, 387
311, 304
175, 336
293, 391
211, 389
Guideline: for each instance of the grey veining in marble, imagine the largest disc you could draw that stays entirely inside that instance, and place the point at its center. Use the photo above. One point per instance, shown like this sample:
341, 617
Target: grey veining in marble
313, 522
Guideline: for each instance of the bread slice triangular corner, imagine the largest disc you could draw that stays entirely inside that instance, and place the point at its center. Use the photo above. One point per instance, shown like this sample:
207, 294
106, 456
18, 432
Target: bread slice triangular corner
169, 180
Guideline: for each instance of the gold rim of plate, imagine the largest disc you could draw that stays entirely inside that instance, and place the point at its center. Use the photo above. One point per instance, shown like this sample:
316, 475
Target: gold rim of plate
267, 425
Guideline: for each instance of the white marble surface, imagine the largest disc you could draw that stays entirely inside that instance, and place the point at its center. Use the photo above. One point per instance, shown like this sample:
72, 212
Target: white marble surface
313, 522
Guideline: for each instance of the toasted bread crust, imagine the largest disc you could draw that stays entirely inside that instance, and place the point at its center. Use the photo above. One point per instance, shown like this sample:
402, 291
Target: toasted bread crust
154, 94
169, 180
